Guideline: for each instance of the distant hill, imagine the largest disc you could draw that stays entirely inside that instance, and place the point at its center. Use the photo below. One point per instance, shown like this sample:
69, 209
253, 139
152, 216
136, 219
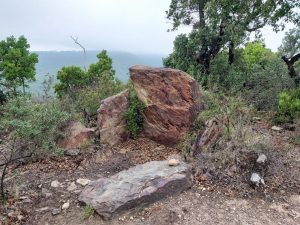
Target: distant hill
51, 61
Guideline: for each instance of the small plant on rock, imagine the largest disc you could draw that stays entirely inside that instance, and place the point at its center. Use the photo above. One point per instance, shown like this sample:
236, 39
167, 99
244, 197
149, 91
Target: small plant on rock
134, 115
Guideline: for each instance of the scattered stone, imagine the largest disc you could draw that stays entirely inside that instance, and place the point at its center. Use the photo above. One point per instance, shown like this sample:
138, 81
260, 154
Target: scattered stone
275, 128
72, 187
262, 158
56, 211
45, 193
173, 162
82, 181
72, 152
65, 206
55, 184
111, 120
20, 217
42, 209
76, 135
256, 179
172, 100
295, 200
139, 185
257, 118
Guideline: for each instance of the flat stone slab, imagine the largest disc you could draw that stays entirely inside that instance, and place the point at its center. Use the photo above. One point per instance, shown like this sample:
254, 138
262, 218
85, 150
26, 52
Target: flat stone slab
138, 186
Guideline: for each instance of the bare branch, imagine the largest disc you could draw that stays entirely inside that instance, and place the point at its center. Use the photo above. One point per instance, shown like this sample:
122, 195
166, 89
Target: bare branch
76, 42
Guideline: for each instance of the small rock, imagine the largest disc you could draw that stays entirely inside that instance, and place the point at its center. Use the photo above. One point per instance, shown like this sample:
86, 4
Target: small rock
56, 211
72, 152
256, 179
82, 181
262, 158
275, 128
55, 184
72, 187
20, 217
257, 118
173, 162
65, 206
295, 200
42, 209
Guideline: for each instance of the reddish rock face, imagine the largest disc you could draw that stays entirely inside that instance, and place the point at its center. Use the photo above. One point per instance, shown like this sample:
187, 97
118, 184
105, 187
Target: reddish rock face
111, 120
172, 99
76, 135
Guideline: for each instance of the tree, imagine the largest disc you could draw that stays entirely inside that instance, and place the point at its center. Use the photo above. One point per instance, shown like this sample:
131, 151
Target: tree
183, 56
290, 50
104, 65
219, 24
17, 64
70, 80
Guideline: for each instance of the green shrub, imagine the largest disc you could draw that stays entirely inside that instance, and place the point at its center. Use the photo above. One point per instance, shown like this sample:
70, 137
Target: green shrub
87, 212
89, 98
134, 115
36, 125
289, 104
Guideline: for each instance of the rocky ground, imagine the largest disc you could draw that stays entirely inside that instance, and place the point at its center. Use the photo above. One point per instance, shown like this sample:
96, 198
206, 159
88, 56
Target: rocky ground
40, 190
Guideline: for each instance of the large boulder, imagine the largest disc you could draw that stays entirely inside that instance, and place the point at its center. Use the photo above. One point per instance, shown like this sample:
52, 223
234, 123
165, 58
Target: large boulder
76, 134
172, 100
137, 186
111, 120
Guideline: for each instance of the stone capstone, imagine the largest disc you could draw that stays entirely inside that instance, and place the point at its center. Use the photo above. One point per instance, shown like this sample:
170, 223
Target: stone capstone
111, 120
172, 99
137, 186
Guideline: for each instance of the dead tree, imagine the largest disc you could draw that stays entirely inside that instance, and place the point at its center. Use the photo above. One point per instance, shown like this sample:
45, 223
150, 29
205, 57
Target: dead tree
12, 154
292, 72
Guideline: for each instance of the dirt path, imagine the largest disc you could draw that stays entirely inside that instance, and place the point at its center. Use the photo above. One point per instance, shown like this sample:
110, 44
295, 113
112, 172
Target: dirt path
196, 206
207, 202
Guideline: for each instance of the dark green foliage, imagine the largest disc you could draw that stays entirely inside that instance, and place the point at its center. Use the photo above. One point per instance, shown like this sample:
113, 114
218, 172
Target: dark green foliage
225, 24
70, 80
89, 98
289, 104
85, 89
103, 66
134, 115
17, 64
36, 125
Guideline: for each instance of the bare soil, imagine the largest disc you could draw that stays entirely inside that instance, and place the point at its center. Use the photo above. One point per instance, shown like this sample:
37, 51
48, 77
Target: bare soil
219, 195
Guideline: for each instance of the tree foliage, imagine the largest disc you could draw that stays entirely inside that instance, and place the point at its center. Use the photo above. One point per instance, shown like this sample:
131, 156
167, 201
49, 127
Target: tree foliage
104, 65
17, 64
70, 80
290, 50
219, 24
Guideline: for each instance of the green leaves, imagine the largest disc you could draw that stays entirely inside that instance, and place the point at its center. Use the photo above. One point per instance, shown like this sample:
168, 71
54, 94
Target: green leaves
134, 115
289, 103
17, 64
37, 125
70, 78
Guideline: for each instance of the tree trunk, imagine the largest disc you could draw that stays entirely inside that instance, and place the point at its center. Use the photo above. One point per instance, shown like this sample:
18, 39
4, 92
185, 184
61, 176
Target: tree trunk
23, 84
231, 53
292, 72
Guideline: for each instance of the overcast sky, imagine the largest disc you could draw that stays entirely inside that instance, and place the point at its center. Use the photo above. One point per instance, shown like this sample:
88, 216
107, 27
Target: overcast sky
137, 26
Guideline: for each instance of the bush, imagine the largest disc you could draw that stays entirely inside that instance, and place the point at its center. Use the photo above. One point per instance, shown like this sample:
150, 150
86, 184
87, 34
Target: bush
36, 125
89, 98
289, 104
134, 115
87, 212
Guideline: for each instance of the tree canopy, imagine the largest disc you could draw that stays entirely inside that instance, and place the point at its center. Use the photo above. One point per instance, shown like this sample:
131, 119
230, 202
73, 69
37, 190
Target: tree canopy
219, 24
17, 64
